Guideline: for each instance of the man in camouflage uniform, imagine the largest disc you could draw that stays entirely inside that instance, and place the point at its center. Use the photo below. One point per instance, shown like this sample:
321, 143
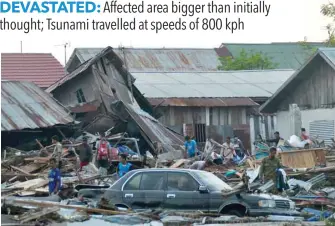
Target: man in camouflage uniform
269, 167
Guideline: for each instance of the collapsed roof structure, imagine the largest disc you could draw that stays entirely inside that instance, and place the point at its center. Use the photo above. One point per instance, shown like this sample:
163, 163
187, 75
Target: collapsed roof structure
110, 90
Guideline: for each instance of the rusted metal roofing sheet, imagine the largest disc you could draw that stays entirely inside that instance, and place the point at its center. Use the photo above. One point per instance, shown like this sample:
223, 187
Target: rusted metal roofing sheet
203, 102
41, 68
153, 60
26, 106
211, 84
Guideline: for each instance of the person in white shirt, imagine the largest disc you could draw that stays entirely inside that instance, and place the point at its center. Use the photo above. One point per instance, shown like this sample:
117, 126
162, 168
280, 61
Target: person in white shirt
57, 153
228, 151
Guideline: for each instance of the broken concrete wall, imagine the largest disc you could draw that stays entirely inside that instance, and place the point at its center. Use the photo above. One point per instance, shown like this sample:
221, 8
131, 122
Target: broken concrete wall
66, 94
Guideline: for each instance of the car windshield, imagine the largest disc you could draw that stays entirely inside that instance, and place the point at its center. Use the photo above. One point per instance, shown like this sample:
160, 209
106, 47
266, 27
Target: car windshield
213, 182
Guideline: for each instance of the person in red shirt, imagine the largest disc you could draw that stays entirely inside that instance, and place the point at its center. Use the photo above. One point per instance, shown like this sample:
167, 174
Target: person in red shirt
103, 147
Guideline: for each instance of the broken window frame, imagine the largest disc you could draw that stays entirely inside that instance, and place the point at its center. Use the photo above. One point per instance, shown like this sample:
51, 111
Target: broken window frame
80, 96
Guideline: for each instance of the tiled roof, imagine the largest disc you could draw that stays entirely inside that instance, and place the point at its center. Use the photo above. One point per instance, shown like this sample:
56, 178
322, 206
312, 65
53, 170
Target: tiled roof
41, 68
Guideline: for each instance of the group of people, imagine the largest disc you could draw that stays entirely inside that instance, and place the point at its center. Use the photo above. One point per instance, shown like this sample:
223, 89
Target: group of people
85, 154
232, 149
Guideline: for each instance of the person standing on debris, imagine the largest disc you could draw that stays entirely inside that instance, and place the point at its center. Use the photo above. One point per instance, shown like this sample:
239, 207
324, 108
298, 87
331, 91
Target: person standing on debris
85, 154
103, 147
228, 151
190, 147
201, 165
276, 139
269, 167
57, 153
239, 147
123, 166
54, 178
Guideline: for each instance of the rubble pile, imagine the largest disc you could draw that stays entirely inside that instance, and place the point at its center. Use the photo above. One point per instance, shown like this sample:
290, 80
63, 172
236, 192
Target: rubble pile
25, 196
26, 174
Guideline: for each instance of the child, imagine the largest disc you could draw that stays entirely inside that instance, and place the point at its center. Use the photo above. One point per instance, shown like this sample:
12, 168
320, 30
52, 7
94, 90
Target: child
123, 166
54, 178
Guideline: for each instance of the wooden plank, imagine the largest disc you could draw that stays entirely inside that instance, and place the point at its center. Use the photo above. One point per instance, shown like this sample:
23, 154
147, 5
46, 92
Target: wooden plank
39, 159
31, 167
20, 170
250, 164
30, 184
25, 193
178, 163
308, 158
33, 216
53, 204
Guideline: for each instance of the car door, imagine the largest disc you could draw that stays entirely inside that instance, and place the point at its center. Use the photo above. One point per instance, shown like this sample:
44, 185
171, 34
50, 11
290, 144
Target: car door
153, 184
182, 192
132, 195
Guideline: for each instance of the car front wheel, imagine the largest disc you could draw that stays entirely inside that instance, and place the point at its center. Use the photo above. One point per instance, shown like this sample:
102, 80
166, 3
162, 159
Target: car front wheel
235, 213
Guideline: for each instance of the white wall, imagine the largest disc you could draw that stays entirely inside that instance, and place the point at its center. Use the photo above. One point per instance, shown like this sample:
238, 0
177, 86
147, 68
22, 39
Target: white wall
307, 116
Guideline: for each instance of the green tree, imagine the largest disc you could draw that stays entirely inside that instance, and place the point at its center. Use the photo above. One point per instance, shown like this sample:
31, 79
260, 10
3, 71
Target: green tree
246, 61
328, 10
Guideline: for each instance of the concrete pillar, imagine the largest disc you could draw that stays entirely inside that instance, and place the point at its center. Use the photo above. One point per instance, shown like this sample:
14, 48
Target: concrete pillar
207, 116
252, 133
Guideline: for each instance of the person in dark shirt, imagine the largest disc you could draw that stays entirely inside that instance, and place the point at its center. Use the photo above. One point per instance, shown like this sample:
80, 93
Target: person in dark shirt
269, 168
276, 139
85, 153
54, 178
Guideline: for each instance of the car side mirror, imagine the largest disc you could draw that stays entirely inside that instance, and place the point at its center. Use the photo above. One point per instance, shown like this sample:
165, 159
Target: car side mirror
203, 189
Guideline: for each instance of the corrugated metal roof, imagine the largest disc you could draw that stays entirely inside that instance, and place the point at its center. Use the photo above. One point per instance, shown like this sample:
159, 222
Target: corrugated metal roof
41, 68
328, 55
86, 65
153, 60
26, 106
203, 102
211, 84
153, 129
270, 106
286, 55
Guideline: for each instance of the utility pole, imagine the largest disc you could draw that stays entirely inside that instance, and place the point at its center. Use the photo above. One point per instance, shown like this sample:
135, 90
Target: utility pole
65, 45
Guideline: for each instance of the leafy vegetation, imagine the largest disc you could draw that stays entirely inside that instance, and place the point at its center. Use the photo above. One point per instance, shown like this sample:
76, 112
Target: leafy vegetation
328, 10
246, 61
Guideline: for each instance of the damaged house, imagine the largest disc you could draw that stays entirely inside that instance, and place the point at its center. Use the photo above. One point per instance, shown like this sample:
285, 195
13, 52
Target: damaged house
28, 113
101, 93
312, 89
192, 97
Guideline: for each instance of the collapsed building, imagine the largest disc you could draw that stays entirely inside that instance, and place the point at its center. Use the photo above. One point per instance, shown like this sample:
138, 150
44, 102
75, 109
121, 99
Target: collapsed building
102, 95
